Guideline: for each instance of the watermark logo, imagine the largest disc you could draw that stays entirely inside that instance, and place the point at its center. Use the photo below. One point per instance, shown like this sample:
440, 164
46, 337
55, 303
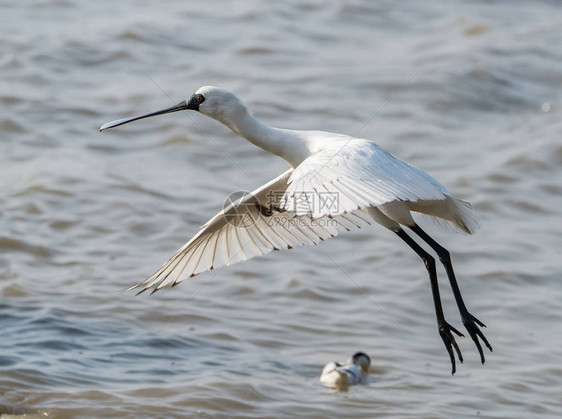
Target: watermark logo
242, 209
306, 202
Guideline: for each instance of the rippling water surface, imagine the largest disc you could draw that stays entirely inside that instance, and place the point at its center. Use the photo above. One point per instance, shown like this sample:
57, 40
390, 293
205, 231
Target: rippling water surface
470, 94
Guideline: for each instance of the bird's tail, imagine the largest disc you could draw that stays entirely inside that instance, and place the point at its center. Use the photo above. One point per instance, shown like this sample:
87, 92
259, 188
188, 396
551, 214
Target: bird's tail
452, 213
466, 218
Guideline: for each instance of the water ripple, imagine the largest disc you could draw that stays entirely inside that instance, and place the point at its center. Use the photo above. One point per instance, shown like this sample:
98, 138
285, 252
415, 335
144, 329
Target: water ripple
85, 214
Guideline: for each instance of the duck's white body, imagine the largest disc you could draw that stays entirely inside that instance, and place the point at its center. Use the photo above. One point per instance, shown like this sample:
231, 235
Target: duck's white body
336, 182
343, 375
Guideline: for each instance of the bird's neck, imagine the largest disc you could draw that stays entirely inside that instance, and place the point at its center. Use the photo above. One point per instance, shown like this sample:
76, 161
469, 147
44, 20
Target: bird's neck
287, 144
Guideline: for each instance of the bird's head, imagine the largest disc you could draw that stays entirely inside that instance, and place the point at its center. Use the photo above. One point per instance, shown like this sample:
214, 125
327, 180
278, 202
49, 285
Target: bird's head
217, 103
362, 360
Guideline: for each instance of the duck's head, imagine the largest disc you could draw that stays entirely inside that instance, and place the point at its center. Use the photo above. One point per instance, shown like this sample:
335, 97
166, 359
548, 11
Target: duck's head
217, 103
362, 361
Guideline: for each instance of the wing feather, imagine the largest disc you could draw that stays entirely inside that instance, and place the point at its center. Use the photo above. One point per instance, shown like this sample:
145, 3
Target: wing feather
223, 242
359, 174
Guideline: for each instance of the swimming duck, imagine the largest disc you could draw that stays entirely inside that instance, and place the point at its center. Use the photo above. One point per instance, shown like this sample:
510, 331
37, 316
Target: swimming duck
354, 371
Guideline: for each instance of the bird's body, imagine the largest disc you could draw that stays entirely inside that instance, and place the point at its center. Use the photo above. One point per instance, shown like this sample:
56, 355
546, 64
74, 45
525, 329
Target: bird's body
342, 375
336, 182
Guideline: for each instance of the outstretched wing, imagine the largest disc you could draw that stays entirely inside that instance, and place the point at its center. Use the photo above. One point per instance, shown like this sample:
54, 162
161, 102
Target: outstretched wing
251, 226
353, 175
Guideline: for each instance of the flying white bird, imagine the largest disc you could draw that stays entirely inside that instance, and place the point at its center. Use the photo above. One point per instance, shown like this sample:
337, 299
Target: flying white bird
336, 182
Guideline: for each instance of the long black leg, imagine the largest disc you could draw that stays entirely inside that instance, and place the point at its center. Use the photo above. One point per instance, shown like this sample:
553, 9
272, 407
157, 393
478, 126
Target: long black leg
469, 321
445, 328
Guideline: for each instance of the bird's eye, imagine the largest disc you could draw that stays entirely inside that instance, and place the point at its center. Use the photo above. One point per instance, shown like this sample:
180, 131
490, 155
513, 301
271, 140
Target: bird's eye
200, 98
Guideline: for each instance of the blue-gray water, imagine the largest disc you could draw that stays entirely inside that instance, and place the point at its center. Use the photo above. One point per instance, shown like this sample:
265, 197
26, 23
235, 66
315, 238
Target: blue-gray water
471, 94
